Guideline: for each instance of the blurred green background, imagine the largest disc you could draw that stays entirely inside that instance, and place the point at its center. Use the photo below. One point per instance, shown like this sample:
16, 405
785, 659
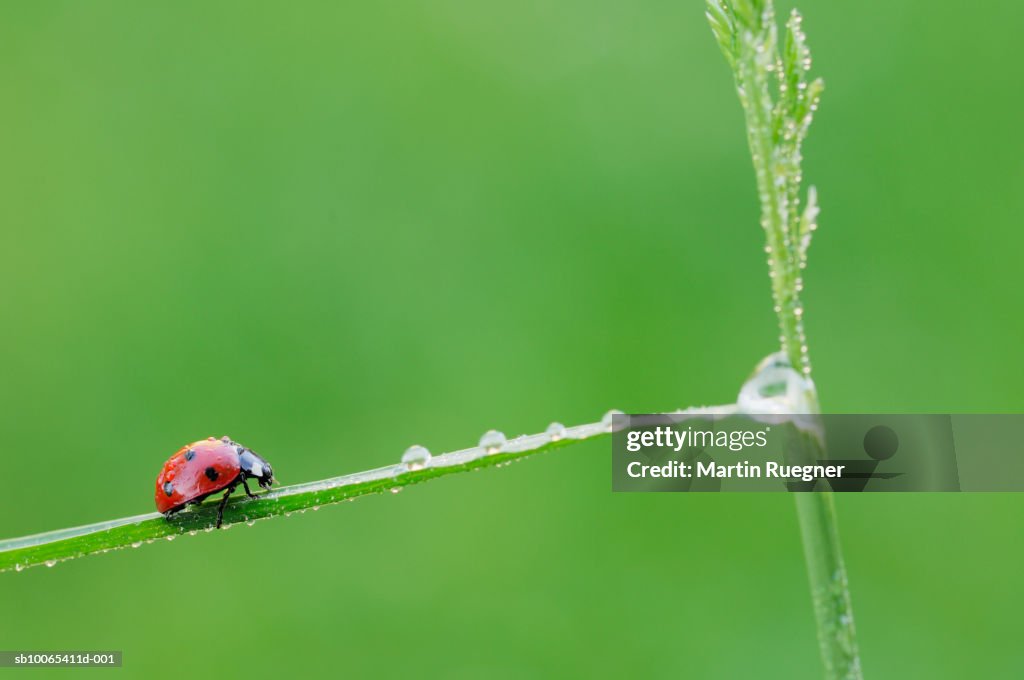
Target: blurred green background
332, 230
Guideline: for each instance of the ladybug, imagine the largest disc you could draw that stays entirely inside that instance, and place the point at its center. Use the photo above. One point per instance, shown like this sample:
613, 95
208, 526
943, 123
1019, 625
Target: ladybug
206, 467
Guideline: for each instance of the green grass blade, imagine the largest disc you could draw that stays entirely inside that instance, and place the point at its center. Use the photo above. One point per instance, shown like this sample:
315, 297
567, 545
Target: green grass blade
779, 102
64, 544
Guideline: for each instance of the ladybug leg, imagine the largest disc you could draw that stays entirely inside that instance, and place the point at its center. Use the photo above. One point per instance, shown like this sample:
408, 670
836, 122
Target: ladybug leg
248, 493
223, 502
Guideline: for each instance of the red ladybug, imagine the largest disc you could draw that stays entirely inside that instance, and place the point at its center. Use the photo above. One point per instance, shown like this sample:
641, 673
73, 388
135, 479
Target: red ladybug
206, 467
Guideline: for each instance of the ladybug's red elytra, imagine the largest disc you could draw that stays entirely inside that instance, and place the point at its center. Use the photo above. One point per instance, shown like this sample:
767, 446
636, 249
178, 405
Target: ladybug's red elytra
205, 467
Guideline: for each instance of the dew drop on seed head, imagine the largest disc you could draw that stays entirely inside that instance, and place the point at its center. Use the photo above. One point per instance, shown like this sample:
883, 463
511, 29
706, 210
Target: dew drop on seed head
555, 430
492, 441
416, 457
609, 418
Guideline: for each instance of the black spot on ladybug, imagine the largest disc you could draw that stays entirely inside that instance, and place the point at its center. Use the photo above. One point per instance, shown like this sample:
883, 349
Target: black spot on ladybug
190, 454
168, 488
212, 474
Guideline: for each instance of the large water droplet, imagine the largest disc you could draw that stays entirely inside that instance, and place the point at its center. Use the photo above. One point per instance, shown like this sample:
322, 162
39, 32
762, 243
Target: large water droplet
777, 389
416, 457
556, 431
492, 441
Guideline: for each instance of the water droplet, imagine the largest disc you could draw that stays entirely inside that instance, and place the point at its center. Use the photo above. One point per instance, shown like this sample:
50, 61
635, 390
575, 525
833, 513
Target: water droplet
492, 441
556, 431
136, 544
171, 537
396, 489
315, 508
18, 567
608, 420
50, 563
193, 532
416, 457
250, 522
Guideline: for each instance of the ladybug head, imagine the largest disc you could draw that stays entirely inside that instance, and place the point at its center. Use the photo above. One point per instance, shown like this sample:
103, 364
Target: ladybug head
256, 468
